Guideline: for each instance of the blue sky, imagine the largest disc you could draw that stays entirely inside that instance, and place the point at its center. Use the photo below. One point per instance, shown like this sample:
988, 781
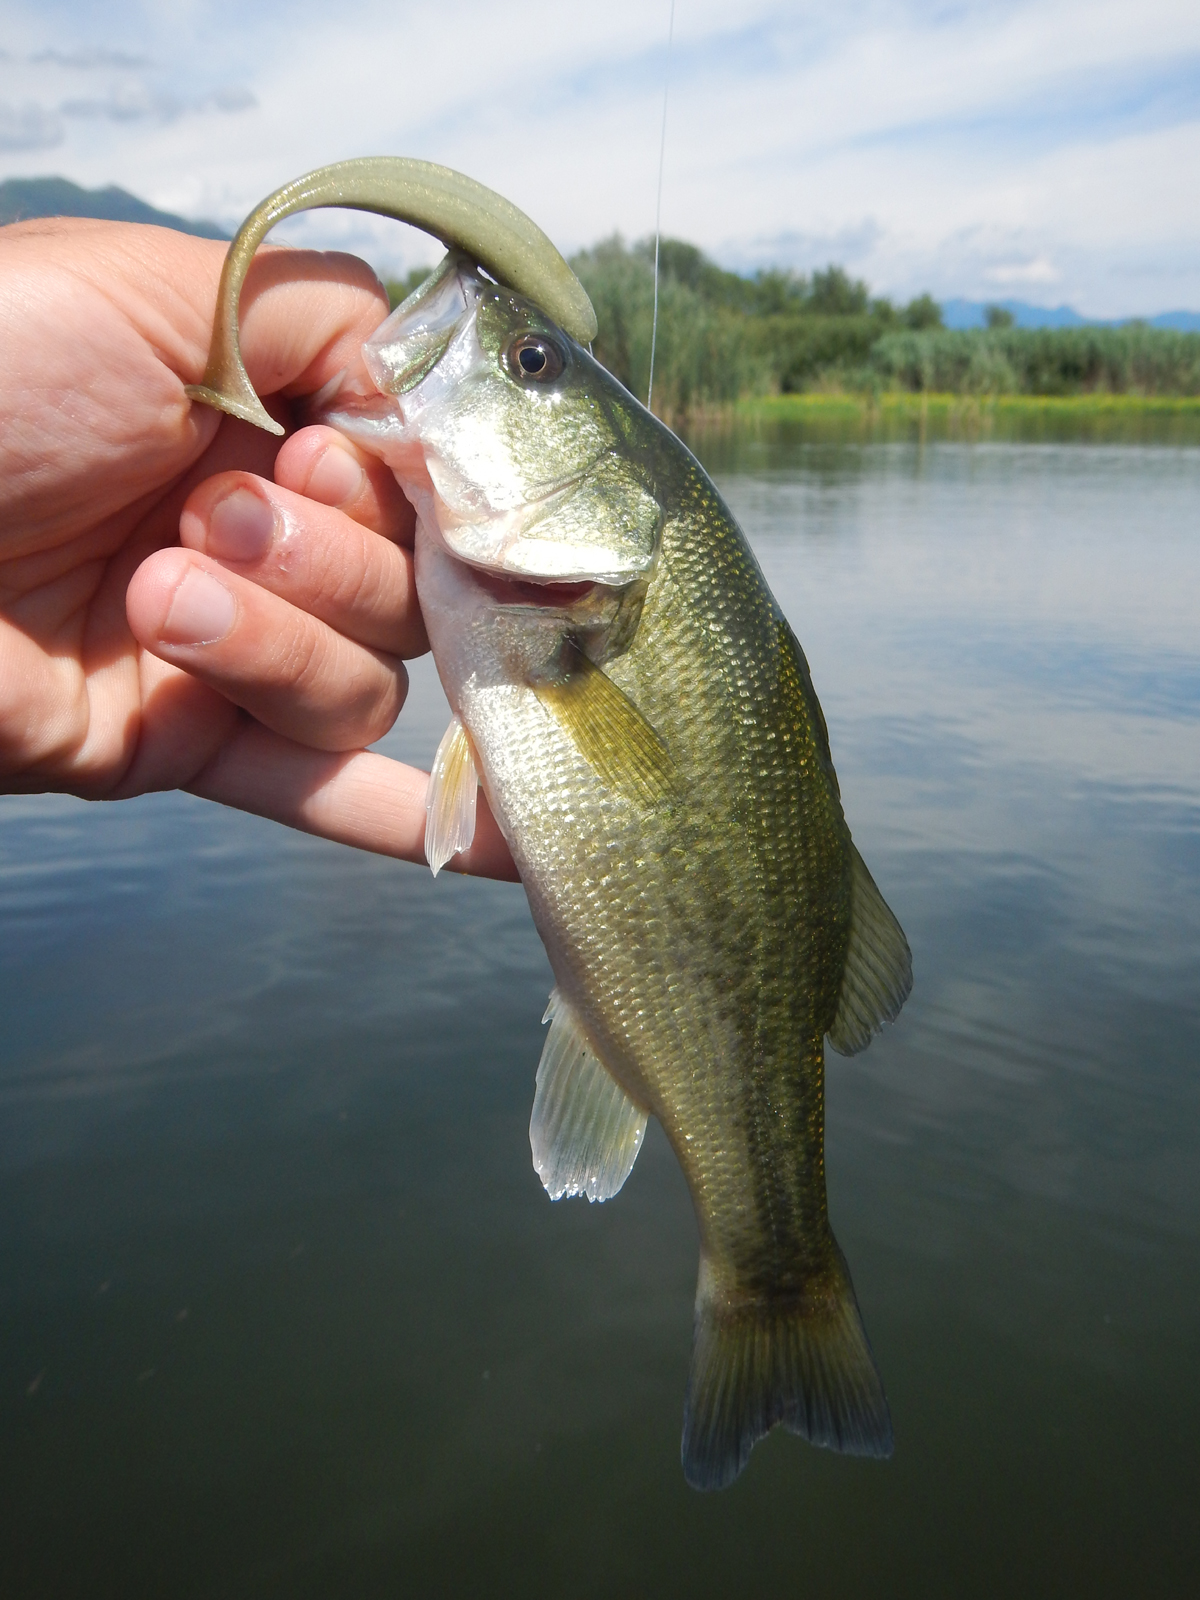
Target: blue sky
1045, 151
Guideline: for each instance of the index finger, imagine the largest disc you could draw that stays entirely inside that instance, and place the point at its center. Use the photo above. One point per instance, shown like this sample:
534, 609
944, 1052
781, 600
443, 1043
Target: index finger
305, 317
323, 465
360, 798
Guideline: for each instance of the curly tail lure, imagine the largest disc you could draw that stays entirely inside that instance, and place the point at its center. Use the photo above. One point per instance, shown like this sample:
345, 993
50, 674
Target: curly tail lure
463, 214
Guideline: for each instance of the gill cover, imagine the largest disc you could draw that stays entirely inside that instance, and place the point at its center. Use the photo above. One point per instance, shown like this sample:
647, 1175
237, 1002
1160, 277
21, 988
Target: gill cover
455, 209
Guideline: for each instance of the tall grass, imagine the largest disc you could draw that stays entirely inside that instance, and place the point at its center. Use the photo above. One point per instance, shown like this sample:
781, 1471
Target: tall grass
1132, 359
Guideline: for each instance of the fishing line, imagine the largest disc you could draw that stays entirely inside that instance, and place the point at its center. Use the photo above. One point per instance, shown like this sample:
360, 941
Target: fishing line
662, 151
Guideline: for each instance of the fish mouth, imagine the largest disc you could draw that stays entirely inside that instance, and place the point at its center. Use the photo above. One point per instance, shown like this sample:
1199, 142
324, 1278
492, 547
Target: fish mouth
549, 594
587, 602
525, 540
404, 350
468, 509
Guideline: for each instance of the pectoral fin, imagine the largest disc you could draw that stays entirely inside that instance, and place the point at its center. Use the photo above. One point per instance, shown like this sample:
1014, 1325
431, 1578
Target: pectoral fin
878, 972
450, 798
609, 731
585, 1130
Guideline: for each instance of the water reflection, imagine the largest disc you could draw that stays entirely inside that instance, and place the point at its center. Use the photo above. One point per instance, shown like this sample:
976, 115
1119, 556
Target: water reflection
285, 1310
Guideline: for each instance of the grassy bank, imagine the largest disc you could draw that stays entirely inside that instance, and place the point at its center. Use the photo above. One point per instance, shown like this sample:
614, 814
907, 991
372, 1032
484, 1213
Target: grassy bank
1130, 360
1129, 419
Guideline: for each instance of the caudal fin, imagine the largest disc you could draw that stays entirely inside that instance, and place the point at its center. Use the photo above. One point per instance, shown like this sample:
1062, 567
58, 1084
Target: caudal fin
803, 1362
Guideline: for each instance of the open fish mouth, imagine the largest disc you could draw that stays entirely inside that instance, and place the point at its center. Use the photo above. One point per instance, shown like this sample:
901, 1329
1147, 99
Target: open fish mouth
522, 543
549, 594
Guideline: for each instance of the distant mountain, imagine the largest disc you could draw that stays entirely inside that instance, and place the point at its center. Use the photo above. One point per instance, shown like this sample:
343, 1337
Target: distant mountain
971, 314
1181, 321
23, 198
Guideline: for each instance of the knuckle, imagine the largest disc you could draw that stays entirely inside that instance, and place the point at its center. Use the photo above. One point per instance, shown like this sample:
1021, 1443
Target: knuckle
353, 694
302, 657
381, 693
344, 576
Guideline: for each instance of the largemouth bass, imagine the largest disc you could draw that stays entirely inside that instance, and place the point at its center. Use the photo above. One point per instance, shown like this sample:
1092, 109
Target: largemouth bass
644, 724
645, 727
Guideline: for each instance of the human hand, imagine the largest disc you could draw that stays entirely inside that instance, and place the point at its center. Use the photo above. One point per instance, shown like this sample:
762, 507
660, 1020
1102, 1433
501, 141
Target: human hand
259, 656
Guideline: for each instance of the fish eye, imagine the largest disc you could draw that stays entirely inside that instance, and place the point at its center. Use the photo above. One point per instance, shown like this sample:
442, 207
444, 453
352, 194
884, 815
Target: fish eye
535, 358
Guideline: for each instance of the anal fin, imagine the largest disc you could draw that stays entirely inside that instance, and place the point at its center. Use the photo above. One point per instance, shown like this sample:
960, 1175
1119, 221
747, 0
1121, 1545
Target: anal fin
585, 1131
877, 976
450, 798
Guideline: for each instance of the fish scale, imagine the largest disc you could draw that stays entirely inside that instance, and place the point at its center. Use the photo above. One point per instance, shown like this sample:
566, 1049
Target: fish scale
792, 839
703, 946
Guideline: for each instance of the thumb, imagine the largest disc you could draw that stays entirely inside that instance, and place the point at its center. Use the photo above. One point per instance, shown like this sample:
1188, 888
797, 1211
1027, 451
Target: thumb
304, 317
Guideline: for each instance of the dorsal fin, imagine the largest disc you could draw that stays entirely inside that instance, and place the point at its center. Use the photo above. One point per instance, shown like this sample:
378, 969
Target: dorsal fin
450, 798
878, 973
585, 1130
609, 731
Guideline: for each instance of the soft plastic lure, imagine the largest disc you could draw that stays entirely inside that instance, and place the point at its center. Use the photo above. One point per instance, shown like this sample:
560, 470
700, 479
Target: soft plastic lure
463, 214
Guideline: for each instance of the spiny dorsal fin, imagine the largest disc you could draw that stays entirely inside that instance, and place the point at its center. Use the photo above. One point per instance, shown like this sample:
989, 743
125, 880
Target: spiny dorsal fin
585, 1130
609, 731
878, 972
450, 798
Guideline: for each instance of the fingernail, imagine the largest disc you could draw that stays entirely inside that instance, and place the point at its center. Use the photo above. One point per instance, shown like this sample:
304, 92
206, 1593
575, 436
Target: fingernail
240, 527
336, 477
202, 611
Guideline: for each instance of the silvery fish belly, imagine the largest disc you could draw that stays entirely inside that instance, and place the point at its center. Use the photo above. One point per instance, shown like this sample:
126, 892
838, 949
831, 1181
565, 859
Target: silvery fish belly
644, 725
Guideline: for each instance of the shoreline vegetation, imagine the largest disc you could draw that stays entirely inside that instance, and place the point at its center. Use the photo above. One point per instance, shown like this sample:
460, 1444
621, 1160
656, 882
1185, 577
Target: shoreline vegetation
786, 348
1012, 418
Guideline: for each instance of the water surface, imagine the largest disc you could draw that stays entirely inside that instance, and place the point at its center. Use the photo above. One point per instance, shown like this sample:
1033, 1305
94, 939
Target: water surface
283, 1308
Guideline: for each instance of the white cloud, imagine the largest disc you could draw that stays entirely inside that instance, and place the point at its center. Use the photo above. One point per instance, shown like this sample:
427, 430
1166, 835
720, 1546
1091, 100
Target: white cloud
88, 60
29, 127
1023, 273
925, 145
64, 87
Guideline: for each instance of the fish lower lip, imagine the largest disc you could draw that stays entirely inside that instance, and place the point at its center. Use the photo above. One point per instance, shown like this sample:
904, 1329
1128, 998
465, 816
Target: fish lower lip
525, 592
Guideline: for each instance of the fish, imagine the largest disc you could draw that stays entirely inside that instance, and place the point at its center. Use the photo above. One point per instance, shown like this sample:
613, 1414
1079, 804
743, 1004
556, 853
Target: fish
644, 725
632, 700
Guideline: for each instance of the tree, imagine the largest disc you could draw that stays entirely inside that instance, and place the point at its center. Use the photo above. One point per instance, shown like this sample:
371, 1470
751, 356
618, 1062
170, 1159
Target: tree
923, 312
835, 294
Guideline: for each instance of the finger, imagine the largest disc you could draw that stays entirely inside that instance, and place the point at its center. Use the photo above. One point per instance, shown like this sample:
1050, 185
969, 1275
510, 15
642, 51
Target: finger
290, 670
304, 316
313, 556
363, 799
120, 318
323, 465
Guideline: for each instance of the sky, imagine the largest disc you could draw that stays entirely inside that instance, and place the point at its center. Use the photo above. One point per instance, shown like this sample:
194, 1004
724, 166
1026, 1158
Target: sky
1043, 150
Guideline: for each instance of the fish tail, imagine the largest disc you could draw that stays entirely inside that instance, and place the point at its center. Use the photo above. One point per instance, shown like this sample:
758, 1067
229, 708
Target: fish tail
800, 1360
